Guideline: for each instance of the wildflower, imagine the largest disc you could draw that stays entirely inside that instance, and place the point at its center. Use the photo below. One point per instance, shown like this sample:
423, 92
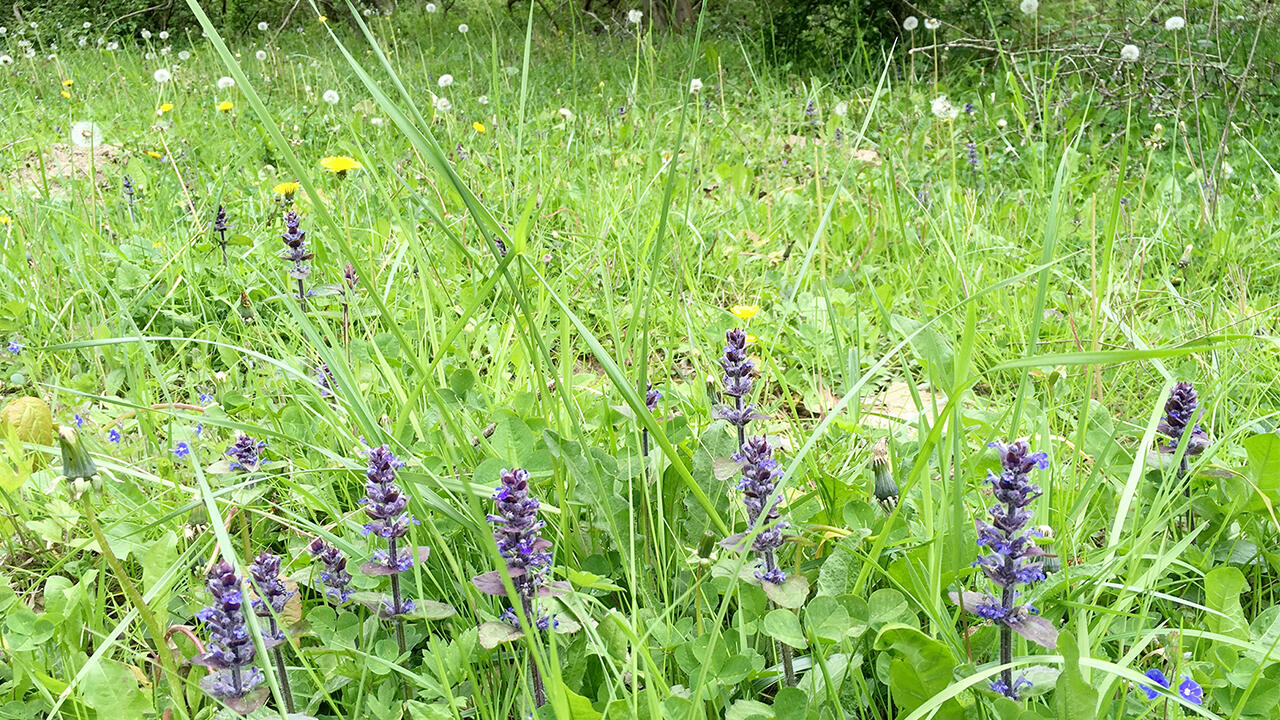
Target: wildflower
261, 55
146, 34
5, 220
651, 397
164, 35
634, 17
6, 60
350, 277
1180, 412
841, 109
246, 454
68, 82
339, 164
162, 75
1156, 677
932, 24
483, 99
272, 593
226, 83
1191, 691
695, 86
737, 381
943, 109
287, 189
230, 650
463, 28
477, 126
114, 435
225, 106
566, 113
376, 122
911, 23
1029, 7
184, 55
445, 80
335, 576
66, 95
330, 96
181, 450
886, 490
1130, 53
113, 46
430, 8
1002, 124
263, 26
442, 104
974, 162
79, 421
760, 473
744, 312
14, 346
385, 506
323, 19
324, 379
1175, 23
164, 108
1013, 558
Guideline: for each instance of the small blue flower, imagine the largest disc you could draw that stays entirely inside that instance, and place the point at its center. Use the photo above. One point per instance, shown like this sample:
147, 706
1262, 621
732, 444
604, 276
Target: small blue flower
1158, 678
199, 429
114, 436
1191, 691
182, 450
15, 347
79, 420
206, 399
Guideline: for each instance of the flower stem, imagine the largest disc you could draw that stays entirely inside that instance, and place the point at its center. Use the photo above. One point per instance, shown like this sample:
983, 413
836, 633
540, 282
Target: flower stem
302, 296
788, 670
144, 612
539, 692
283, 676
395, 596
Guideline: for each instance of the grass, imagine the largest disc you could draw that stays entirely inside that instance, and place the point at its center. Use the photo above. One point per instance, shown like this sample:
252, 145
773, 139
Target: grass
904, 293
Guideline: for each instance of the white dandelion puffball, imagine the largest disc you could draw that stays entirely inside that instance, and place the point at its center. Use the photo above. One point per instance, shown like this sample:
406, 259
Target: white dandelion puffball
911, 23
1177, 22
376, 122
30, 53
162, 76
1130, 53
3, 31
226, 83
263, 26
6, 60
184, 55
932, 24
443, 104
113, 46
1002, 123
164, 34
695, 86
86, 134
1227, 170
83, 41
943, 109
566, 113
431, 7
146, 34
634, 17
463, 28
1029, 7
841, 109
261, 55
445, 80
330, 96
86, 25
483, 99
150, 56
165, 50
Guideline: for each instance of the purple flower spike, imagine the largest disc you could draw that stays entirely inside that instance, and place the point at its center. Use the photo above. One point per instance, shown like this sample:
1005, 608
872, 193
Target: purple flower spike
651, 398
334, 576
1181, 411
246, 454
295, 241
517, 532
738, 370
388, 519
760, 474
272, 593
230, 649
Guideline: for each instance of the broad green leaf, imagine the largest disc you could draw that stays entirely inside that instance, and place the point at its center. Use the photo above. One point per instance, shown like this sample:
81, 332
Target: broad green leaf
113, 690
783, 626
920, 668
1073, 698
1222, 589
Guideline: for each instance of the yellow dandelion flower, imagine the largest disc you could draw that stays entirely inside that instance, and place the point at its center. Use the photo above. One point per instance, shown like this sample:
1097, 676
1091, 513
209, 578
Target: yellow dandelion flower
225, 106
66, 94
752, 339
324, 19
286, 189
479, 126
68, 82
154, 154
164, 108
744, 312
339, 164
6, 220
